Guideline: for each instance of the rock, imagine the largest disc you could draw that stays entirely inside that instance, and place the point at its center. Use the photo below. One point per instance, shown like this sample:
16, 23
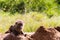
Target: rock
46, 34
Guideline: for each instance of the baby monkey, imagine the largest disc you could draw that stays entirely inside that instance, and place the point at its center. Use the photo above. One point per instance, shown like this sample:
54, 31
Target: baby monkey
16, 29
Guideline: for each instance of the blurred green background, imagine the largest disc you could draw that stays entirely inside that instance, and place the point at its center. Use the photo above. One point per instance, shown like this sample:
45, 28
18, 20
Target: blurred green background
34, 13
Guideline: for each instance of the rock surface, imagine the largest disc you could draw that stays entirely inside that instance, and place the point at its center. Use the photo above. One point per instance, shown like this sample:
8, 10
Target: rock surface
46, 34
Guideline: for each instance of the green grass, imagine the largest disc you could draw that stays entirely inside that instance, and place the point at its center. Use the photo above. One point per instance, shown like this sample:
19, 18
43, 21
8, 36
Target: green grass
31, 20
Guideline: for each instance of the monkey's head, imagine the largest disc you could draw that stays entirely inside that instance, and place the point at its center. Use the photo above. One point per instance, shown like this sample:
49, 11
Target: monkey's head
18, 26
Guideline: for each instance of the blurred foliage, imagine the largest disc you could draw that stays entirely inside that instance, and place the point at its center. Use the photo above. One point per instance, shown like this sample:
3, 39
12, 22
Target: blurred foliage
33, 12
49, 7
32, 21
12, 5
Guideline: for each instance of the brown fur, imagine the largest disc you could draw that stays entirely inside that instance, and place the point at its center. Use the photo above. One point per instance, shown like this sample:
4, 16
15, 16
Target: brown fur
16, 29
57, 28
11, 36
10, 29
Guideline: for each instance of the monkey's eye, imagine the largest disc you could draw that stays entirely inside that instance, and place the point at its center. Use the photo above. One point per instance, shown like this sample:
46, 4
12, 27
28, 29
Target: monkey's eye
16, 23
20, 24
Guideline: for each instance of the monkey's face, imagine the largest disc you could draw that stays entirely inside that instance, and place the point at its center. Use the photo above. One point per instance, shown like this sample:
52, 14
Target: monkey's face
18, 26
